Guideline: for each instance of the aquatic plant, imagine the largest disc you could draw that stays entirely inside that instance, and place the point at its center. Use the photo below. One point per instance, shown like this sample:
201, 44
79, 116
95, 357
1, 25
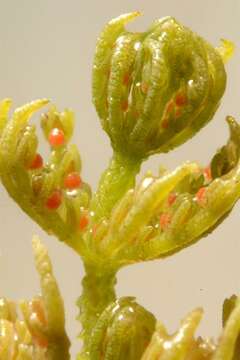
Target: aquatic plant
152, 91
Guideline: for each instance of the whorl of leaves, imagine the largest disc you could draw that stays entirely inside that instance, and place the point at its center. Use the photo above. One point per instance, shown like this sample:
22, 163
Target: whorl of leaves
39, 331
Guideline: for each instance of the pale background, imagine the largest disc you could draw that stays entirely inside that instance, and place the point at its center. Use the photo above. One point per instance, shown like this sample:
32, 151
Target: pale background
46, 50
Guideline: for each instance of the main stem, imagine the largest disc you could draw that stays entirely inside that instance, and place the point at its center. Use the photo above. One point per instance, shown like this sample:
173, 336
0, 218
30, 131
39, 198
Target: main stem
98, 284
97, 293
118, 178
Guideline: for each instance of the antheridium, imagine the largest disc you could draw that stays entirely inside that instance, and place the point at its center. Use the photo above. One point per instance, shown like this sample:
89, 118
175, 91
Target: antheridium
152, 91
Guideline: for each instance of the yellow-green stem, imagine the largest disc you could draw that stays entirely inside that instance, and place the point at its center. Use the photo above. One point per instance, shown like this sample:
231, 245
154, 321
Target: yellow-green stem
97, 293
115, 181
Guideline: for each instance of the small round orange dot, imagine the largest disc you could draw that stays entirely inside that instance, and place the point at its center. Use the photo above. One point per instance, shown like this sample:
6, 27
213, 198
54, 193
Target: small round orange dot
39, 310
83, 222
171, 198
94, 229
56, 137
124, 105
201, 196
41, 342
165, 220
37, 162
72, 181
54, 200
126, 79
180, 99
170, 107
144, 87
207, 173
135, 114
165, 123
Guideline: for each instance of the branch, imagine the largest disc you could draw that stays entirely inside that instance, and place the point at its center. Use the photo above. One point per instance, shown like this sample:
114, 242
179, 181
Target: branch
41, 334
52, 194
155, 90
165, 214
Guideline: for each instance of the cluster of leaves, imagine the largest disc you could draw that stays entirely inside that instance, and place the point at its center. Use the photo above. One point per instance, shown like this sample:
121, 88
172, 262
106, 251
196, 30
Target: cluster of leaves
152, 91
183, 344
51, 193
40, 333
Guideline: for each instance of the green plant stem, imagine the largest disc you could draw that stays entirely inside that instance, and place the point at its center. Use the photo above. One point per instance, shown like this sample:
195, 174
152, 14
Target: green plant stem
97, 293
118, 178
59, 349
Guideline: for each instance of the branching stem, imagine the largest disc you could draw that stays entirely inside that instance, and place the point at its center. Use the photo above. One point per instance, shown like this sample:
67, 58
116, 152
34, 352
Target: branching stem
115, 181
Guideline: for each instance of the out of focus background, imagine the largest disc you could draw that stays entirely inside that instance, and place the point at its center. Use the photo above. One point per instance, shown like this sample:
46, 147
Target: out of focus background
46, 50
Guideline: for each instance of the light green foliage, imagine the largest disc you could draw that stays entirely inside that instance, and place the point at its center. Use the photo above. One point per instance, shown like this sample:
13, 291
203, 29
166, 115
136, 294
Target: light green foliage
182, 344
152, 91
40, 334
122, 331
31, 188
